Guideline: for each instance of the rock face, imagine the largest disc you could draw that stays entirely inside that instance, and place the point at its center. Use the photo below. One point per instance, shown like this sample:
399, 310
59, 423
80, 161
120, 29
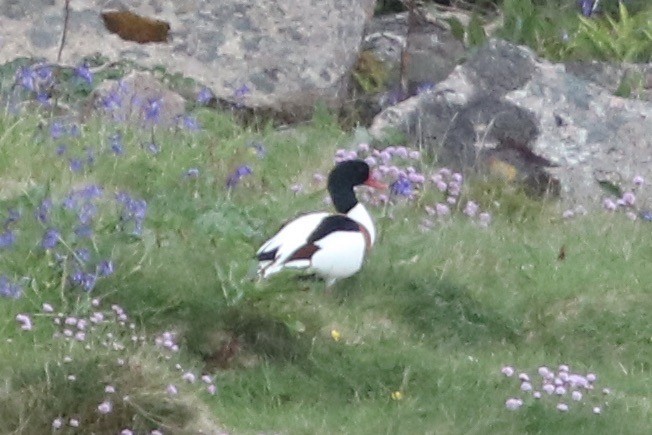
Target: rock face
289, 54
505, 105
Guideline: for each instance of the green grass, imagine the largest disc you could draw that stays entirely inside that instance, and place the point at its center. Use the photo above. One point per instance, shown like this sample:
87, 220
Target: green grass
434, 315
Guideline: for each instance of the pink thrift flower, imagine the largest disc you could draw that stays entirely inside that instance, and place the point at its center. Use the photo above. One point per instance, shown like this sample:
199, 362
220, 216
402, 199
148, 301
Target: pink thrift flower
363, 147
513, 404
591, 377
71, 321
47, 308
507, 371
73, 422
109, 389
171, 390
629, 198
371, 161
318, 178
340, 152
564, 368
543, 371
526, 386
207, 379
430, 211
80, 336
567, 214
638, 180
471, 209
536, 394
562, 407
105, 407
454, 188
597, 410
442, 186
524, 377
120, 362
126, 432
351, 155
156, 432
549, 388
401, 152
415, 155
606, 391
609, 204
576, 395
451, 200
385, 156
212, 389
442, 209
457, 177
436, 178
415, 177
189, 377
560, 390
95, 302
57, 423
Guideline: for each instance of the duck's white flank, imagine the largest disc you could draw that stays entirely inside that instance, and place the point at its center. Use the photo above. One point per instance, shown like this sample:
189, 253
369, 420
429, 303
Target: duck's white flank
290, 238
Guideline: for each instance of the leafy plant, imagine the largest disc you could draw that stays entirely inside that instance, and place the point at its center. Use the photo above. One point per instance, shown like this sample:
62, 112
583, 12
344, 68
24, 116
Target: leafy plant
627, 38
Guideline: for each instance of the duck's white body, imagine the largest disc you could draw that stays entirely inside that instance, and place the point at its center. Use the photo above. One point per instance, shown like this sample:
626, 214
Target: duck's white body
333, 246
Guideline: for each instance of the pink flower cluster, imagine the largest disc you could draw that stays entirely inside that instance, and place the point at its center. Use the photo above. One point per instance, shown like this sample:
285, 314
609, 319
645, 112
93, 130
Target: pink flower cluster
563, 387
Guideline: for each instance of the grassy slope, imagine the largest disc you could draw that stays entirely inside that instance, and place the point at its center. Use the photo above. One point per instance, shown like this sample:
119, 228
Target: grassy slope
434, 315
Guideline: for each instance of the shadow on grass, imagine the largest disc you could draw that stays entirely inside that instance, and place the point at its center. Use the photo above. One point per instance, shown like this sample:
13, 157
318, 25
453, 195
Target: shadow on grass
445, 311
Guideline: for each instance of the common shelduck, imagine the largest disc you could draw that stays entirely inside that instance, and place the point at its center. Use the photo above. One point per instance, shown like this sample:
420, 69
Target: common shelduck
330, 245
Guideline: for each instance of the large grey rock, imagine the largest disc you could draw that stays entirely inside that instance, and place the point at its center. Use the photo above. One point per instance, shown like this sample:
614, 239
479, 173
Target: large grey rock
508, 104
289, 54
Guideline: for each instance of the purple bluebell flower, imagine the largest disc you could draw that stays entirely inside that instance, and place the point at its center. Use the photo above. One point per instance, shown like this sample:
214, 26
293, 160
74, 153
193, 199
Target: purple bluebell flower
83, 255
205, 96
7, 239
44, 73
105, 268
402, 187
259, 148
86, 213
42, 212
57, 130
192, 173
116, 144
153, 110
241, 92
76, 165
587, 7
84, 73
90, 192
50, 238
84, 280
26, 77
9, 289
237, 175
152, 148
43, 98
112, 101
13, 216
191, 123
646, 215
90, 157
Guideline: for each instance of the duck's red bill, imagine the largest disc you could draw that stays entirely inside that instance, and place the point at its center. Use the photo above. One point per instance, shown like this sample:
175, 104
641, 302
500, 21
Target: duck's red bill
372, 182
